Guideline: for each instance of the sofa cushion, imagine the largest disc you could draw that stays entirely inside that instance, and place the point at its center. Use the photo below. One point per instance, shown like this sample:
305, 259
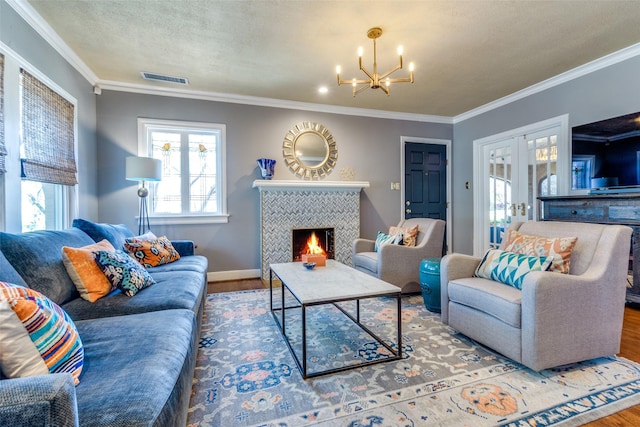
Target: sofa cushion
151, 252
81, 265
174, 288
409, 234
366, 261
138, 369
491, 297
124, 272
36, 255
114, 233
37, 335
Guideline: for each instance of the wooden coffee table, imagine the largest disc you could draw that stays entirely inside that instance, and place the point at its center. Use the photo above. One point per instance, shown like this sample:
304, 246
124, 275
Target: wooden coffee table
332, 284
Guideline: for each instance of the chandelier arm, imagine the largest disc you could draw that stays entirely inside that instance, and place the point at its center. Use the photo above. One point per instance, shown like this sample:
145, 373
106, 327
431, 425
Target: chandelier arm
364, 70
385, 89
400, 80
360, 89
391, 71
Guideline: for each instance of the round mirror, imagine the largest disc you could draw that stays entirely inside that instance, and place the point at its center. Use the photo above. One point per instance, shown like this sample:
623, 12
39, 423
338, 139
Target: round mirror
309, 150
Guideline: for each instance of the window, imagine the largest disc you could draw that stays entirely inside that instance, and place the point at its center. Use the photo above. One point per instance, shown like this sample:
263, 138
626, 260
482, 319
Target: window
193, 187
47, 155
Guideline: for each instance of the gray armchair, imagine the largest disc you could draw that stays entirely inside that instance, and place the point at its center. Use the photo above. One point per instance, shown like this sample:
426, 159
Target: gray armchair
400, 265
556, 318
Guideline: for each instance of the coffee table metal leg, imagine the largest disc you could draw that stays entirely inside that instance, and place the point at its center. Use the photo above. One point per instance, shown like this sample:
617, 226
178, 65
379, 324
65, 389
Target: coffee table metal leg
399, 308
283, 310
358, 310
304, 341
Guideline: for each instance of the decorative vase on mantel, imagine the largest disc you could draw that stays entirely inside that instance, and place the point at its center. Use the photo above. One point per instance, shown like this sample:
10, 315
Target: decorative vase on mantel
266, 167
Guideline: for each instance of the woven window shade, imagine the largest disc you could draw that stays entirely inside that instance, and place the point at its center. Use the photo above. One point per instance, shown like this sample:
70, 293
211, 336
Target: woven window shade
47, 134
3, 148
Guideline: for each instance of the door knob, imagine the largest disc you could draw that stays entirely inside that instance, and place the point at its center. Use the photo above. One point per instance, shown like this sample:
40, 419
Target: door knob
407, 210
407, 203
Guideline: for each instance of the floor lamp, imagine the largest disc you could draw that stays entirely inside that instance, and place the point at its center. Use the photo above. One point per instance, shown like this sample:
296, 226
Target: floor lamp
143, 169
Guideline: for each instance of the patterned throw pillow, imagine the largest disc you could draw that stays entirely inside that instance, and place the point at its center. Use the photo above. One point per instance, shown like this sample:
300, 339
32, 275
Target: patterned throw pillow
510, 268
85, 273
387, 239
153, 252
408, 234
558, 248
37, 336
123, 272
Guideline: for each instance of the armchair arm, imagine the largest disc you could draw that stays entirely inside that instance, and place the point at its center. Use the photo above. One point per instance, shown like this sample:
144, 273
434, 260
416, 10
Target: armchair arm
184, 247
567, 317
454, 266
363, 245
44, 400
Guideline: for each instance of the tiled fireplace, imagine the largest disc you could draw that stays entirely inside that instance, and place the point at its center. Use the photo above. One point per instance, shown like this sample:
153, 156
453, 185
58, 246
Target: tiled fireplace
289, 205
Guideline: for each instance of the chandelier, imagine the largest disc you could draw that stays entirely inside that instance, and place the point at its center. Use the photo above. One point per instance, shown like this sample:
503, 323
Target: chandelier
376, 80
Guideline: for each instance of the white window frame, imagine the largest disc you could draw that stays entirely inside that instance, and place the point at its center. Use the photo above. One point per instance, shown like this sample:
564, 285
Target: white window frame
144, 150
68, 205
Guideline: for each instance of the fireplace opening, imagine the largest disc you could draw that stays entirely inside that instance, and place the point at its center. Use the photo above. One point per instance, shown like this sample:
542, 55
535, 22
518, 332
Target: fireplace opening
312, 240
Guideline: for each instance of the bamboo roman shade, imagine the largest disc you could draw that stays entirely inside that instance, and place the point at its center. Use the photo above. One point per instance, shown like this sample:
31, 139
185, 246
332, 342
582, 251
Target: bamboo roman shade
47, 134
3, 149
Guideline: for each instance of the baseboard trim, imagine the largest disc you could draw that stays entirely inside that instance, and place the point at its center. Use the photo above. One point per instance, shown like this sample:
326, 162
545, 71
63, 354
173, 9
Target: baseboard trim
221, 276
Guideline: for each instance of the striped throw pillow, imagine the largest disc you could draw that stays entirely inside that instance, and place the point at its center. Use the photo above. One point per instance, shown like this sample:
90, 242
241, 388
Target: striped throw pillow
37, 336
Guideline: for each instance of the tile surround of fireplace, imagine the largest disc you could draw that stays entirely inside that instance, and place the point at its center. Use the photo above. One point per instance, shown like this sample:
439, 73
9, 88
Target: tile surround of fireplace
287, 205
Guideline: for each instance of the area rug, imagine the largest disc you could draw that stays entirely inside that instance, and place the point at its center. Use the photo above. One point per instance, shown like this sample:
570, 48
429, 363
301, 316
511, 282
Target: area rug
246, 376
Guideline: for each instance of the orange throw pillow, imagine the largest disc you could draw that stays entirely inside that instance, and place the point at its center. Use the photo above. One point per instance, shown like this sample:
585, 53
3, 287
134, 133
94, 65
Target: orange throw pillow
151, 253
85, 273
558, 247
408, 234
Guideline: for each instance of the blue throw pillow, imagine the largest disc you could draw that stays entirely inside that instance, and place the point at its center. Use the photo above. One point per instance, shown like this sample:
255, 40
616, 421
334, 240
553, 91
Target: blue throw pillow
510, 268
114, 233
123, 272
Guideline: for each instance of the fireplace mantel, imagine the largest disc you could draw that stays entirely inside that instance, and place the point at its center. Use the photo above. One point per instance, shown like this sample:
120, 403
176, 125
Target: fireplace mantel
287, 204
293, 185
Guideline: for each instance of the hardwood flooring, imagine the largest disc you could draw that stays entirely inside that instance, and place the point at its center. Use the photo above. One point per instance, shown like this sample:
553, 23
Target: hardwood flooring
630, 347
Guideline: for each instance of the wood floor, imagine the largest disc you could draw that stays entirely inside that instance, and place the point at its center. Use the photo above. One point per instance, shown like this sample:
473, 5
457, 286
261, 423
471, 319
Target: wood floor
630, 347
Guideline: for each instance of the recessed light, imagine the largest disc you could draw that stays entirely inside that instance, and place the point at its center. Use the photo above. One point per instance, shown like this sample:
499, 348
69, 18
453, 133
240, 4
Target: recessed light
323, 89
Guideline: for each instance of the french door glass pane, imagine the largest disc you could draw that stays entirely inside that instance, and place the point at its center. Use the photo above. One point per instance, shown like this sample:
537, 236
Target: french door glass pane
499, 193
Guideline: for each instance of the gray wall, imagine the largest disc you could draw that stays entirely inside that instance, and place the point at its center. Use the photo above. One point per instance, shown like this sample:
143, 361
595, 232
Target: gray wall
371, 146
23, 40
609, 92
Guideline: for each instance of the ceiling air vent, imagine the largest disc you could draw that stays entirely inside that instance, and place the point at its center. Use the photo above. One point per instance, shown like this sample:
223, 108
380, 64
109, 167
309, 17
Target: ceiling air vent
164, 78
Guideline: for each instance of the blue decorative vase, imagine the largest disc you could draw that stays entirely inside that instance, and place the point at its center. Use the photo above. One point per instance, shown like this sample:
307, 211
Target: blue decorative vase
266, 167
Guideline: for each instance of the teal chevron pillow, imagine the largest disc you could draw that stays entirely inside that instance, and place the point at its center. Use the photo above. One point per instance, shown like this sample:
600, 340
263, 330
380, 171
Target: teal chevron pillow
510, 268
387, 239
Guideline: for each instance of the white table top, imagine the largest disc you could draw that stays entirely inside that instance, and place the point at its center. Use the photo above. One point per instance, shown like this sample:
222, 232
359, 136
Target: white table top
336, 281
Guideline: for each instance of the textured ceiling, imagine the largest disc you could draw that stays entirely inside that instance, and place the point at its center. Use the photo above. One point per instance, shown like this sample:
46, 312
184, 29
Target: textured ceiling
466, 53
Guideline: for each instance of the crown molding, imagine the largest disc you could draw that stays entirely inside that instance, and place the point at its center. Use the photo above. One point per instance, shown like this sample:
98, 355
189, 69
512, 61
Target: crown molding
582, 70
267, 102
33, 18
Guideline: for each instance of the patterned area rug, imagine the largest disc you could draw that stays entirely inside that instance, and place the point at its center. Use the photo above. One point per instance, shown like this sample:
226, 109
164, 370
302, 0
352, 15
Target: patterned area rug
246, 376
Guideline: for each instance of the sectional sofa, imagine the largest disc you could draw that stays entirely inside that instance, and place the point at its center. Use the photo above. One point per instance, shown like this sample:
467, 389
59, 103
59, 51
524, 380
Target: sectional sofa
139, 352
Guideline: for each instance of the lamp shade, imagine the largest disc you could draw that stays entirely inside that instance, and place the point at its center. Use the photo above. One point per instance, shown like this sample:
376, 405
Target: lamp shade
143, 169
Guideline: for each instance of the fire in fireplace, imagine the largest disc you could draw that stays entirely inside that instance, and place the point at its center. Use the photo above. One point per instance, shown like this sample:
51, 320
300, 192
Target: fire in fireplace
312, 241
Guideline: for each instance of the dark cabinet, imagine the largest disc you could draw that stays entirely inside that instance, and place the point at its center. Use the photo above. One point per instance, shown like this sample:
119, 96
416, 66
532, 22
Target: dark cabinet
621, 209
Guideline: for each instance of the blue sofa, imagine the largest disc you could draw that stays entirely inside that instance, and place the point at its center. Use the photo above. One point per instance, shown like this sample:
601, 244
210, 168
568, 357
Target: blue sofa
140, 351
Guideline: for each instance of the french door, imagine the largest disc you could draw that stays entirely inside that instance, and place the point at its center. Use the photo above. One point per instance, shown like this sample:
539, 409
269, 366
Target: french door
511, 170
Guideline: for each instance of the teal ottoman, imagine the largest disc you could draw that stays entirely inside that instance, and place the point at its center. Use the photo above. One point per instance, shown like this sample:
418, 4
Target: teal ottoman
430, 283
